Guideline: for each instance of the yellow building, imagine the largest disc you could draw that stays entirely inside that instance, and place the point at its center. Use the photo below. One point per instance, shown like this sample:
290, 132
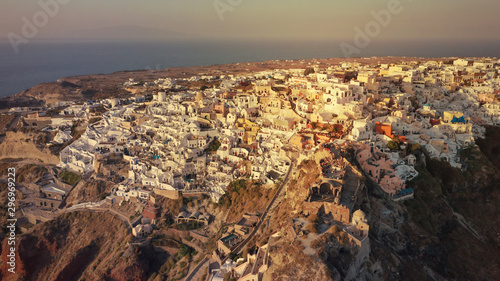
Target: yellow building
251, 129
452, 117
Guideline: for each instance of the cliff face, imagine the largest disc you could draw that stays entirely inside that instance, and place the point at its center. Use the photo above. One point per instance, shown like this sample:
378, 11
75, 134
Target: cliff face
79, 245
290, 263
450, 230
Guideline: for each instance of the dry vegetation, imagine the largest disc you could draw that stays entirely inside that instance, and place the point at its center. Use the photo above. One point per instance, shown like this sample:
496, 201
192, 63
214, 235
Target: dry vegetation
244, 196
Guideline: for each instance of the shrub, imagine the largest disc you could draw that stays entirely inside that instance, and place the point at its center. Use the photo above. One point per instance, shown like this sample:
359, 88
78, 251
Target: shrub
415, 146
393, 145
189, 225
69, 177
228, 277
103, 195
185, 250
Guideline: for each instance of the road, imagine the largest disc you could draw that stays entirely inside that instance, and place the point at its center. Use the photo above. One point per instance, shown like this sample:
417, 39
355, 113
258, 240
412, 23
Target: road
198, 271
265, 216
112, 211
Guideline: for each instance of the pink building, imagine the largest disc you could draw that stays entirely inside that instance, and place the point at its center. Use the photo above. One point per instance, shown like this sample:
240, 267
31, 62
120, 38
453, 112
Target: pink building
379, 168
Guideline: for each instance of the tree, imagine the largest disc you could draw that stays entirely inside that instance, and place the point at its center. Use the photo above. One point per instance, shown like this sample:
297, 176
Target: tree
415, 146
393, 145
214, 145
185, 250
308, 71
233, 256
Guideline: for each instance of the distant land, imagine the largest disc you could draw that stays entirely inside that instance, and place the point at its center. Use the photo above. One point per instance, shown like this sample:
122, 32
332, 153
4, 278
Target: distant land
91, 52
97, 86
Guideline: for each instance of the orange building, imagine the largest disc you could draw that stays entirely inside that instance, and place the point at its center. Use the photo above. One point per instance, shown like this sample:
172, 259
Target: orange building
386, 129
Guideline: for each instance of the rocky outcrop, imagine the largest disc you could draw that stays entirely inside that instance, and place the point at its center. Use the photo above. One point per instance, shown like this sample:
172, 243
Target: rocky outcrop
448, 232
88, 191
22, 145
290, 263
80, 245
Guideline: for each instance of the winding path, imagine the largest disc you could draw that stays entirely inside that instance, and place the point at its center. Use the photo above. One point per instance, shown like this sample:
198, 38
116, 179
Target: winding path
265, 216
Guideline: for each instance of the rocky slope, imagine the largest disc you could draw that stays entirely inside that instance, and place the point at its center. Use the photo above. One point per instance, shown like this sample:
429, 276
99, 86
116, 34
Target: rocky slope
450, 231
26, 145
81, 246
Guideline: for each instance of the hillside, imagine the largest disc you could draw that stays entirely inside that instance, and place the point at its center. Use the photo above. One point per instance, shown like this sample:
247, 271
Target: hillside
450, 231
79, 246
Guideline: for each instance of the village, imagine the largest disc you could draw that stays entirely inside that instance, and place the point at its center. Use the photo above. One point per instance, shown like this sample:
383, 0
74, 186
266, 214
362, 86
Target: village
173, 141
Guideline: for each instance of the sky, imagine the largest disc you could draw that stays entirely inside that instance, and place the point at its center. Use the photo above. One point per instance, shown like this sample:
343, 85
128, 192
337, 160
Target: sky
250, 19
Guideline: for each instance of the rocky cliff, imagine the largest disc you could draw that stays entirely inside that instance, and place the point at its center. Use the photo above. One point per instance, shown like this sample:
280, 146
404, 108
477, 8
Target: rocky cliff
449, 231
81, 246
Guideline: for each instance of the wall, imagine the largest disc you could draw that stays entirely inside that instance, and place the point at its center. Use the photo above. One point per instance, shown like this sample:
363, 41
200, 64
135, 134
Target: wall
339, 212
170, 194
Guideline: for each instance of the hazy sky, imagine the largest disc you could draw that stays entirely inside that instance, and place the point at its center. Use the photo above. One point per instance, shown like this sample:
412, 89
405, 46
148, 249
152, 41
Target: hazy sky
280, 19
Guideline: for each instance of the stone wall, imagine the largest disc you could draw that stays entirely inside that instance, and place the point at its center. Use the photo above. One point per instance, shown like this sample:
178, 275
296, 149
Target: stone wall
170, 194
199, 237
339, 212
185, 233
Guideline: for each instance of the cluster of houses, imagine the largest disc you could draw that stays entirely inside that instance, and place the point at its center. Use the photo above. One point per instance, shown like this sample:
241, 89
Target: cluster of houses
191, 140
255, 125
251, 267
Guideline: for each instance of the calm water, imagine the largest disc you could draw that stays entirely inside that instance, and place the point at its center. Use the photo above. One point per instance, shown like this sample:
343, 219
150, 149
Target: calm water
45, 62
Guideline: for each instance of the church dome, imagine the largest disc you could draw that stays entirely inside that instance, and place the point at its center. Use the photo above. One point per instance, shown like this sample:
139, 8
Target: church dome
358, 216
200, 96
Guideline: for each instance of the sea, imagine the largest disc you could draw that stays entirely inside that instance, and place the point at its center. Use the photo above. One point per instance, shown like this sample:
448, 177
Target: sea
46, 61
